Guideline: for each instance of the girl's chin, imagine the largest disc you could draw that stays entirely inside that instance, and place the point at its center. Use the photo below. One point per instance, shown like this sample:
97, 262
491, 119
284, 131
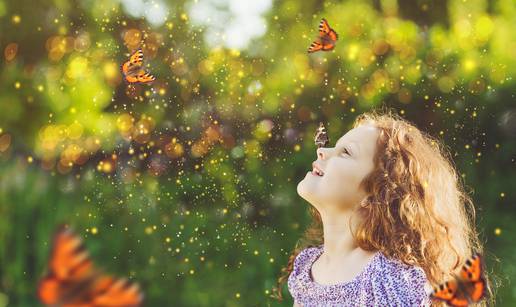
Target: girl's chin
307, 188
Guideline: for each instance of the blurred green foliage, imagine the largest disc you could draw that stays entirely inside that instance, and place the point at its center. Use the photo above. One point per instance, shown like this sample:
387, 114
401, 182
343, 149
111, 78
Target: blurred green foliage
188, 185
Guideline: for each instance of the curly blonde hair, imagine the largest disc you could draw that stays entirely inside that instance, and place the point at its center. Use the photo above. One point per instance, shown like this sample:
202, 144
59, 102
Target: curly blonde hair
416, 211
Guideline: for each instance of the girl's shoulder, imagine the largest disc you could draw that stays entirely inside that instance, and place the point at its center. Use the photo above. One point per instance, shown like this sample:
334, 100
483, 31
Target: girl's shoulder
381, 265
387, 266
401, 281
310, 250
305, 256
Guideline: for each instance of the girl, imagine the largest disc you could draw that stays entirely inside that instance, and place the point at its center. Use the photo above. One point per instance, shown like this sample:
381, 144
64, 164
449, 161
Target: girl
390, 220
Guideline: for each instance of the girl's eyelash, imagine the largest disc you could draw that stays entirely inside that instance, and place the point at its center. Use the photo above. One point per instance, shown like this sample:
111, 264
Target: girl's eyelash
345, 151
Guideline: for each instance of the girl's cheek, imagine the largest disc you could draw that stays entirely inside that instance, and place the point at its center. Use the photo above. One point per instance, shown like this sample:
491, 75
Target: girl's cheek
339, 173
339, 182
334, 183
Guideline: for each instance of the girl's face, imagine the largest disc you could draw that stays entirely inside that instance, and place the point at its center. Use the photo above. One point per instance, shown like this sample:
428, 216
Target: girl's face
334, 179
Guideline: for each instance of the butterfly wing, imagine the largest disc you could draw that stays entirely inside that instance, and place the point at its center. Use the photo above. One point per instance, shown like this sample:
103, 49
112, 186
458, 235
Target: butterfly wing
315, 46
328, 45
125, 67
74, 282
458, 302
468, 287
324, 27
478, 290
131, 78
472, 275
144, 77
454, 292
446, 291
136, 58
69, 265
109, 291
472, 269
326, 40
321, 137
132, 69
139, 76
333, 35
326, 30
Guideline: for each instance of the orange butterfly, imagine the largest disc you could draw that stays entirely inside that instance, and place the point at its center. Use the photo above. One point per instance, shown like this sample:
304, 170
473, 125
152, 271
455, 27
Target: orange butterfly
326, 39
73, 281
468, 287
133, 69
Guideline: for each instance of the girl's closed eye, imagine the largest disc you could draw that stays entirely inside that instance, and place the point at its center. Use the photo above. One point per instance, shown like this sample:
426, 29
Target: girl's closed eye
345, 151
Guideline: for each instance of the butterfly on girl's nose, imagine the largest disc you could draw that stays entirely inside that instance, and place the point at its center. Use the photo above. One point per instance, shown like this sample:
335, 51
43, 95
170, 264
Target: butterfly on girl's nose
321, 138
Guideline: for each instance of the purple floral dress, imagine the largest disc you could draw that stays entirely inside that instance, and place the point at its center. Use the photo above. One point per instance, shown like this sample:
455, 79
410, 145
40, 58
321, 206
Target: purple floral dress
383, 282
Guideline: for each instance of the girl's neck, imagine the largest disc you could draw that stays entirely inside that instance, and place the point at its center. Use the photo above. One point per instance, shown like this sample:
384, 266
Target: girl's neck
338, 241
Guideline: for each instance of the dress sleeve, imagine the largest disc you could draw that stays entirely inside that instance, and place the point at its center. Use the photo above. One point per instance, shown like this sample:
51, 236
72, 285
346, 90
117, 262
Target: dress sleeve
299, 261
414, 281
294, 275
404, 286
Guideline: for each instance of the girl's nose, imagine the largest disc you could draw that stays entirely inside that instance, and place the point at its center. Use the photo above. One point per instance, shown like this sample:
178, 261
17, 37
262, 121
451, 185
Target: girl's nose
322, 153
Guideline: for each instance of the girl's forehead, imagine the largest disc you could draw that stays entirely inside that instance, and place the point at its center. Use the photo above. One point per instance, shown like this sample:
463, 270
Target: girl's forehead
360, 134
